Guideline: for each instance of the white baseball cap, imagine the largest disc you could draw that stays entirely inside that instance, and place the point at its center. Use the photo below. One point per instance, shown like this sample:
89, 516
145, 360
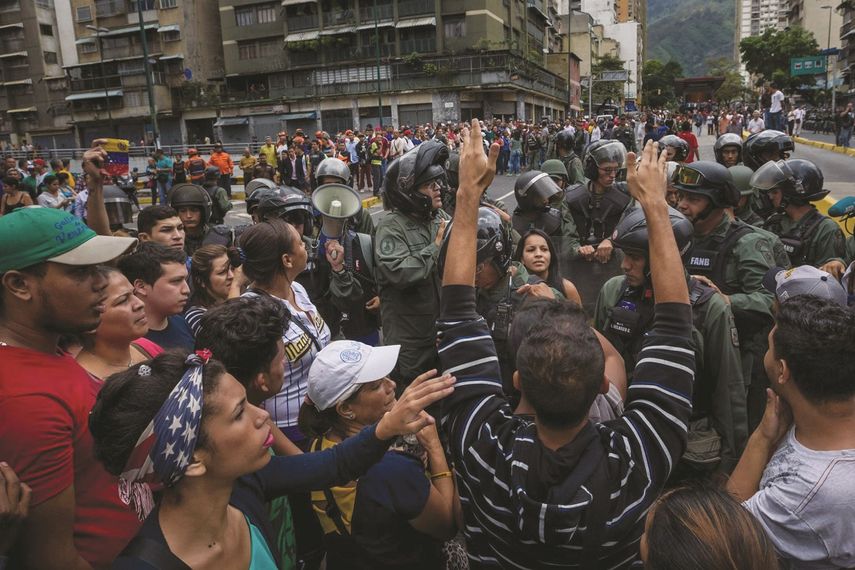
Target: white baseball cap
343, 366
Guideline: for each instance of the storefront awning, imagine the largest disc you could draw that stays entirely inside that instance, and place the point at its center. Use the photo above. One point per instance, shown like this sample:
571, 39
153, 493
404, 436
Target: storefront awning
311, 115
302, 36
417, 22
94, 95
231, 122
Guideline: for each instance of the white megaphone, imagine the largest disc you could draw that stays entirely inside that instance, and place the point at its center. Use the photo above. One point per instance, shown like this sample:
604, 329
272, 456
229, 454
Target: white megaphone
336, 203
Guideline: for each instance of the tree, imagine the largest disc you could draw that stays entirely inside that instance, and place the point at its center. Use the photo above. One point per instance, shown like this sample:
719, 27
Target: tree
658, 80
768, 55
605, 90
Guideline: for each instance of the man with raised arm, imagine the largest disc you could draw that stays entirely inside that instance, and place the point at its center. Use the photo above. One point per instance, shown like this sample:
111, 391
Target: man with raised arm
561, 491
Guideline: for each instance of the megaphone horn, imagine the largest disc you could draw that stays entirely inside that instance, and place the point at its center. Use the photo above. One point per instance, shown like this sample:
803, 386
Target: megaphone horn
336, 203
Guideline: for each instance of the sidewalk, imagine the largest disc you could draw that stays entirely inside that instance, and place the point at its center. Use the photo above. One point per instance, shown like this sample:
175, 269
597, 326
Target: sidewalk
823, 141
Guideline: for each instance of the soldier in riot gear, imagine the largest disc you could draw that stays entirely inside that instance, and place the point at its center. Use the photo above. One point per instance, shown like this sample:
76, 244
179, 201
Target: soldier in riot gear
733, 257
336, 171
220, 203
728, 149
255, 190
676, 148
760, 148
596, 206
747, 195
193, 204
119, 211
536, 193
557, 172
564, 145
809, 237
406, 247
624, 313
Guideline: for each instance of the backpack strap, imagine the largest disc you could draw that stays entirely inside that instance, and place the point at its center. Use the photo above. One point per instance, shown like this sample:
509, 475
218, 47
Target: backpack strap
331, 510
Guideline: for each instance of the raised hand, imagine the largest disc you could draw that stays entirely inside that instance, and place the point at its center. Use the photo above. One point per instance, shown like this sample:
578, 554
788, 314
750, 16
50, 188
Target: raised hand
646, 179
407, 415
477, 169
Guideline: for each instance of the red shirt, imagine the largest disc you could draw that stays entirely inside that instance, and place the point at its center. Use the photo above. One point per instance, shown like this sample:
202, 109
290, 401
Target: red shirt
693, 144
44, 436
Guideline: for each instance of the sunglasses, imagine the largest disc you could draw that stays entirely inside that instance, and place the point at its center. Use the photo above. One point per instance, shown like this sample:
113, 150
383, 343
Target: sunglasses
688, 177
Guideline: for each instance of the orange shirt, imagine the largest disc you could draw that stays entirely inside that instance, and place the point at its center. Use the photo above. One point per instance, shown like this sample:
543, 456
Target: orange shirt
223, 161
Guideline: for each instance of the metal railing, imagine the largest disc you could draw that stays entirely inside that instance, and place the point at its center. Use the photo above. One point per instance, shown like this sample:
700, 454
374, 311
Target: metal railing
15, 73
339, 18
107, 8
408, 8
420, 46
306, 22
12, 45
384, 12
303, 57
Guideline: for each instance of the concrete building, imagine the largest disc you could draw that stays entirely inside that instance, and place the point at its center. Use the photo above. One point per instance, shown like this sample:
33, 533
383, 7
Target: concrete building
32, 84
846, 59
753, 17
824, 21
434, 61
108, 89
630, 39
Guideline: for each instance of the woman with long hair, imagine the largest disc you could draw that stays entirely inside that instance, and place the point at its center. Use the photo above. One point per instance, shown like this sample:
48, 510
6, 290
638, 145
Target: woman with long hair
117, 343
215, 276
182, 425
537, 253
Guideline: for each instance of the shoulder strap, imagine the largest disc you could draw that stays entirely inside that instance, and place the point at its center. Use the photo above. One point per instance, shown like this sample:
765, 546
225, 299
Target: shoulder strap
154, 553
814, 218
366, 244
331, 510
734, 233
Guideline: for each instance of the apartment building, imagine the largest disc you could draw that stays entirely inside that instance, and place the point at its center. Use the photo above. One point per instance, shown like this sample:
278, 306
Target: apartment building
32, 83
338, 65
753, 17
846, 58
108, 85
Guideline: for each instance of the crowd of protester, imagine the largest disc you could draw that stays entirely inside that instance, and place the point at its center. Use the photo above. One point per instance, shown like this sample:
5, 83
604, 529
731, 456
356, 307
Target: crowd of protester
645, 363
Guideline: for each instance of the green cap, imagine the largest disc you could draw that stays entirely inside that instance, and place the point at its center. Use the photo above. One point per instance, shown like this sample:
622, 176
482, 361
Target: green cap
32, 235
554, 167
742, 179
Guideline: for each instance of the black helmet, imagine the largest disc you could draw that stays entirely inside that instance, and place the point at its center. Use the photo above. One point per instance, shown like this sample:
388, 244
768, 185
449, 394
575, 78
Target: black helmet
289, 204
799, 180
603, 151
452, 168
631, 232
534, 190
493, 241
679, 145
335, 169
709, 179
564, 139
118, 206
212, 173
256, 189
727, 139
765, 142
405, 175
187, 194
742, 179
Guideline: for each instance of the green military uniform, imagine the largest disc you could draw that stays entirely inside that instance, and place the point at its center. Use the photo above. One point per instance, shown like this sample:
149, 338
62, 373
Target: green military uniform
737, 268
405, 254
363, 224
850, 250
813, 240
564, 236
748, 215
575, 171
220, 202
624, 314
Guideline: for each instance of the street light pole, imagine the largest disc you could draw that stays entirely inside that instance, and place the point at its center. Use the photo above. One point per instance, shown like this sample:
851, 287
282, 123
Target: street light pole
377, 41
98, 31
828, 68
148, 79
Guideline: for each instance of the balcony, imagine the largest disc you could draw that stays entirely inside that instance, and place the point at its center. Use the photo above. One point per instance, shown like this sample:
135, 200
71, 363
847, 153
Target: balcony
16, 73
303, 57
307, 22
109, 8
384, 12
94, 83
11, 45
339, 18
421, 45
407, 8
537, 7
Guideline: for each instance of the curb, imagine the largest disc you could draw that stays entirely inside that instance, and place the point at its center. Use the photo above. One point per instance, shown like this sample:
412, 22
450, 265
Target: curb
825, 146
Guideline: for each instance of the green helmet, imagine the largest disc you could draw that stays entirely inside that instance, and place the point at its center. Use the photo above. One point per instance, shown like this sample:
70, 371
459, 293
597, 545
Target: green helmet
554, 167
742, 179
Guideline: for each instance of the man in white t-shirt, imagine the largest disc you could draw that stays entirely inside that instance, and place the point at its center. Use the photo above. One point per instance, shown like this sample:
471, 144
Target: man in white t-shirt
756, 124
797, 473
776, 117
799, 119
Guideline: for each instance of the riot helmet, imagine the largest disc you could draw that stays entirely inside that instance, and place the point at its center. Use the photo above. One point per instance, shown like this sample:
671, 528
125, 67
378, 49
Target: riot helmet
724, 141
555, 169
188, 194
256, 189
493, 242
799, 180
631, 232
564, 140
421, 165
601, 152
758, 147
680, 146
212, 173
534, 190
742, 179
452, 168
333, 168
287, 204
118, 206
709, 179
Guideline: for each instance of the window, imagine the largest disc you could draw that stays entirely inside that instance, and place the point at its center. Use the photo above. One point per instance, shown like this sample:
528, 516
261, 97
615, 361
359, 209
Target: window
135, 98
172, 36
164, 4
84, 13
146, 5
46, 30
455, 27
50, 57
88, 47
248, 50
250, 15
131, 67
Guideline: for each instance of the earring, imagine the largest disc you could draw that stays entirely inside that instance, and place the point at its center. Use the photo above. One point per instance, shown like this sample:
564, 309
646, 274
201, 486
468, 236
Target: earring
351, 415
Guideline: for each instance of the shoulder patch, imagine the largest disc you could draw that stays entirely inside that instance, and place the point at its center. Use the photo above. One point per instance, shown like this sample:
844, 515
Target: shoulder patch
387, 246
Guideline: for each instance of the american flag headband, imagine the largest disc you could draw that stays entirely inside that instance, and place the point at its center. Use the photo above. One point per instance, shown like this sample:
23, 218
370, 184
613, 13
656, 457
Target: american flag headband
164, 449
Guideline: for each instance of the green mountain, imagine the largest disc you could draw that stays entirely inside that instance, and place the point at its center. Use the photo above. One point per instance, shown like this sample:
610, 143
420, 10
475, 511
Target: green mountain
690, 32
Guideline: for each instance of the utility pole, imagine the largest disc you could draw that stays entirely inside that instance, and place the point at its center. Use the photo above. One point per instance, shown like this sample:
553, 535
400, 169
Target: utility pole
149, 83
377, 41
98, 31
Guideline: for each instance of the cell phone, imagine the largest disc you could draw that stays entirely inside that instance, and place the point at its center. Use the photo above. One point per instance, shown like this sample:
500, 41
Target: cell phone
118, 163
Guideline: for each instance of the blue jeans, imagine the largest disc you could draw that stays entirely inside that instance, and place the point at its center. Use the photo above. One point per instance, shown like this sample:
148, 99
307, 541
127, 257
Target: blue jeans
515, 162
844, 136
776, 121
162, 190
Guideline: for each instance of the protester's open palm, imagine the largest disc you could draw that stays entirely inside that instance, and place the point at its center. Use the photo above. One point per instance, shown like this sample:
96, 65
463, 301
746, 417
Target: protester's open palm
646, 178
408, 415
476, 168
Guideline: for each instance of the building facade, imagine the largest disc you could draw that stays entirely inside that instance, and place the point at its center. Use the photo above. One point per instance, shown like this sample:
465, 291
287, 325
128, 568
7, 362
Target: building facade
753, 17
846, 58
32, 83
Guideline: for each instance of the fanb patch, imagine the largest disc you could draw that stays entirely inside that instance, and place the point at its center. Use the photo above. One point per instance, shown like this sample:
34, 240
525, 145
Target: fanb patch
734, 337
387, 246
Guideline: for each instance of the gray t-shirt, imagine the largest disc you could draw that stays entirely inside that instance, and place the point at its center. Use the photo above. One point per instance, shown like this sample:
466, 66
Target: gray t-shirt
806, 504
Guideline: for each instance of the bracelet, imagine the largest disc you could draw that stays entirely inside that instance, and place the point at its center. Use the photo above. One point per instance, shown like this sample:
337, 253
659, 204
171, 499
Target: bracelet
442, 475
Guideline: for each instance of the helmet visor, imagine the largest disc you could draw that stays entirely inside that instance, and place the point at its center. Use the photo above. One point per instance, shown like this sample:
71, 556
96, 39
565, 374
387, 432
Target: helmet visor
613, 152
688, 177
770, 175
540, 188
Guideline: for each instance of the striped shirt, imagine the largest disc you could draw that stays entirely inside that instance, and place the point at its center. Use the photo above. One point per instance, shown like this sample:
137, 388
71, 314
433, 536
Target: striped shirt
302, 344
509, 521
